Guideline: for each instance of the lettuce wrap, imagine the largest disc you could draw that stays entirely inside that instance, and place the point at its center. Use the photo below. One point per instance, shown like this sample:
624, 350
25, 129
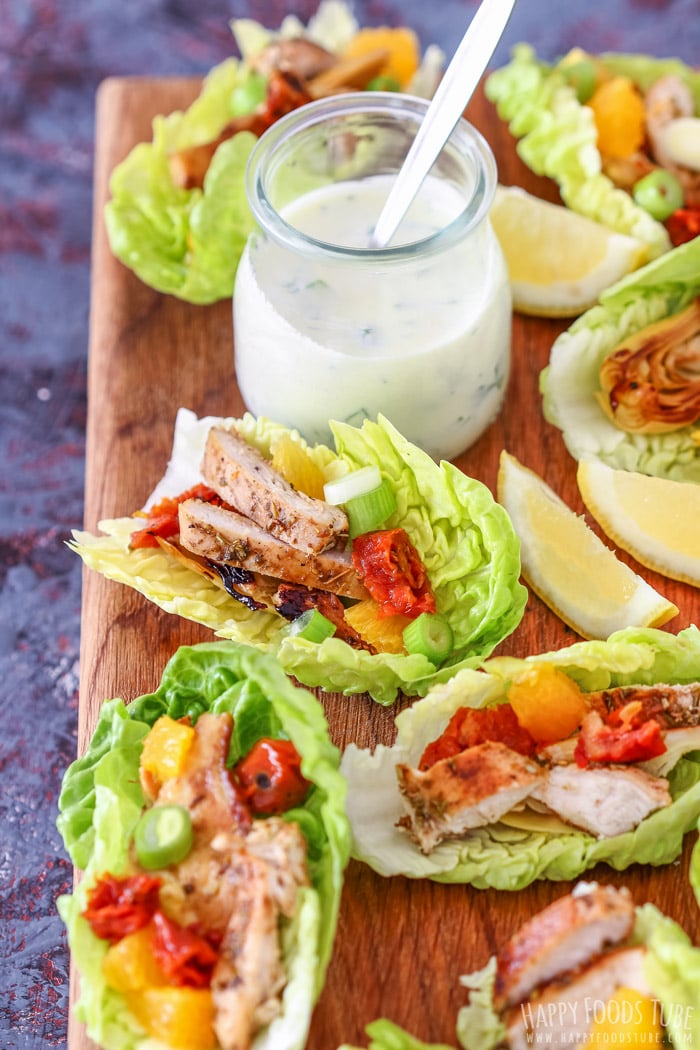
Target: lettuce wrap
571, 380
557, 136
101, 801
671, 966
188, 242
507, 857
465, 540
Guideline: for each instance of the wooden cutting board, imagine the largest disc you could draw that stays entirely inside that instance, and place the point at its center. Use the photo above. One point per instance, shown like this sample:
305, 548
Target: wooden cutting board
401, 945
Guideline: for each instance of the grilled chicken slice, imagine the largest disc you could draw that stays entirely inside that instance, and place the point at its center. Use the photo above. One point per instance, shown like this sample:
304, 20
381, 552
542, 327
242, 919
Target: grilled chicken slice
264, 878
671, 705
238, 881
569, 933
227, 537
564, 1010
244, 478
196, 890
469, 790
603, 800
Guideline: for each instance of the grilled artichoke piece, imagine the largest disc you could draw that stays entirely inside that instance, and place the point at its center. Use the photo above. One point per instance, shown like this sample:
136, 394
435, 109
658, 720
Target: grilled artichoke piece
651, 382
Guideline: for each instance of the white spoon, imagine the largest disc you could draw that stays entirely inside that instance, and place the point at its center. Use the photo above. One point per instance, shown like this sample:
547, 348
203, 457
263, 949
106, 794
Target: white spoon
449, 102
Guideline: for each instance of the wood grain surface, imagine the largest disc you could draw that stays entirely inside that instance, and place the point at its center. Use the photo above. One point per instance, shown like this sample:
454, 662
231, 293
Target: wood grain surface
401, 945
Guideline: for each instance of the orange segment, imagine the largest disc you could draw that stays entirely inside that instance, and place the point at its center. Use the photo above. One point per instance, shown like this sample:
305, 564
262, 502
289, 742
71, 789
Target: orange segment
618, 110
401, 43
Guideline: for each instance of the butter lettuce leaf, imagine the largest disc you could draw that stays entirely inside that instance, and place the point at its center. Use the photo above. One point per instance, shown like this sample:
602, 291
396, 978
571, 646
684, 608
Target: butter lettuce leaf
557, 137
506, 857
184, 242
101, 801
464, 537
570, 381
671, 965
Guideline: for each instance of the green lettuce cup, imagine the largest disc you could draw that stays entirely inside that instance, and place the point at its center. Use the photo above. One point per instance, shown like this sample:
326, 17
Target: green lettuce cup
464, 538
509, 856
101, 802
557, 137
571, 381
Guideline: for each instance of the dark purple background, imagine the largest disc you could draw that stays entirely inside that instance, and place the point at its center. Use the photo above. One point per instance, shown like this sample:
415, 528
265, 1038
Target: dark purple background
53, 55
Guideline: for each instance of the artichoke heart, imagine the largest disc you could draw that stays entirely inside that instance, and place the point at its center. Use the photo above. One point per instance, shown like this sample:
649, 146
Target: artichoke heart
651, 381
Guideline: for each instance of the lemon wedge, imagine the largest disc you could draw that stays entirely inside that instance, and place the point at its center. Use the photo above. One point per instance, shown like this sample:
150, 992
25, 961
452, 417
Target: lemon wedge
558, 261
568, 566
653, 519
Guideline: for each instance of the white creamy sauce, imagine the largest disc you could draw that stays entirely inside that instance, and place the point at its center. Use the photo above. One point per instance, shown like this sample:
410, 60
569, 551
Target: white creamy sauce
425, 342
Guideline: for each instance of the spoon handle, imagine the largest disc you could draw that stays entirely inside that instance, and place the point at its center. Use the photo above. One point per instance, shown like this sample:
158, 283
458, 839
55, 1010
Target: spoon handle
449, 102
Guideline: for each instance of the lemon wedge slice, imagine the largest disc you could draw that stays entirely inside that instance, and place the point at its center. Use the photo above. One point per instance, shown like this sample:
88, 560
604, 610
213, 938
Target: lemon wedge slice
654, 519
558, 261
568, 566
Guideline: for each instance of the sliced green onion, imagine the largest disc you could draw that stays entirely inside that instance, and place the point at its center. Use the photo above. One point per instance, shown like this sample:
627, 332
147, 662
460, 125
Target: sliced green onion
383, 83
163, 836
352, 485
312, 626
248, 94
429, 635
369, 512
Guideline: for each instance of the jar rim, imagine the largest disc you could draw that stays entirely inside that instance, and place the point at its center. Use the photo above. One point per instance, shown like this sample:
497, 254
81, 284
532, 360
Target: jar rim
465, 138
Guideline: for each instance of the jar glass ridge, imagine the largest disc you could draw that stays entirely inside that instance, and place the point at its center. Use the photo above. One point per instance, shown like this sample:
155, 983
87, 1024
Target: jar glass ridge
328, 328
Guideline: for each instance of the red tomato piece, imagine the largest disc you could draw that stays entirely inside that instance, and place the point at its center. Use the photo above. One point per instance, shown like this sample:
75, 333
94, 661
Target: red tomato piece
629, 740
162, 518
270, 777
186, 958
683, 225
117, 906
469, 727
391, 569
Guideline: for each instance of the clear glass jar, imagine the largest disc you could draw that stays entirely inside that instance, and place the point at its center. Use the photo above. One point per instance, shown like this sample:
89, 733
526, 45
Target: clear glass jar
326, 327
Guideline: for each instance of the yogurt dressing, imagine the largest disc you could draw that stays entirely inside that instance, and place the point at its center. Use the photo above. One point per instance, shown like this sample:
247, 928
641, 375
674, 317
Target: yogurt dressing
423, 340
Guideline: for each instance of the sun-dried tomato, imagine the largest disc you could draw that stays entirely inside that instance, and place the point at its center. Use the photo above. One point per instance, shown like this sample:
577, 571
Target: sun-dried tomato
625, 736
117, 906
683, 225
270, 776
469, 727
186, 958
392, 571
162, 517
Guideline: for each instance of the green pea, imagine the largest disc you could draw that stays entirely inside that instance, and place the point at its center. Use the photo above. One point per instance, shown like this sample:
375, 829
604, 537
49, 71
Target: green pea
660, 193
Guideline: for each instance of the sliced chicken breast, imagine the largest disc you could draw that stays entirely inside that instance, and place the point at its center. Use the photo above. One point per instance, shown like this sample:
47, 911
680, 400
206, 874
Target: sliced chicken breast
563, 937
265, 877
469, 790
564, 1011
603, 800
227, 537
244, 478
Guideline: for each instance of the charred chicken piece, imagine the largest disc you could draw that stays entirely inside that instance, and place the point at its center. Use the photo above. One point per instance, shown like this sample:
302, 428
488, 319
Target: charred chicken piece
291, 601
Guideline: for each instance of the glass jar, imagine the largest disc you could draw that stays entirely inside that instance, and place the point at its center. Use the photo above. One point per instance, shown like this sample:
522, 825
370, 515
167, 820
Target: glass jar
327, 328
